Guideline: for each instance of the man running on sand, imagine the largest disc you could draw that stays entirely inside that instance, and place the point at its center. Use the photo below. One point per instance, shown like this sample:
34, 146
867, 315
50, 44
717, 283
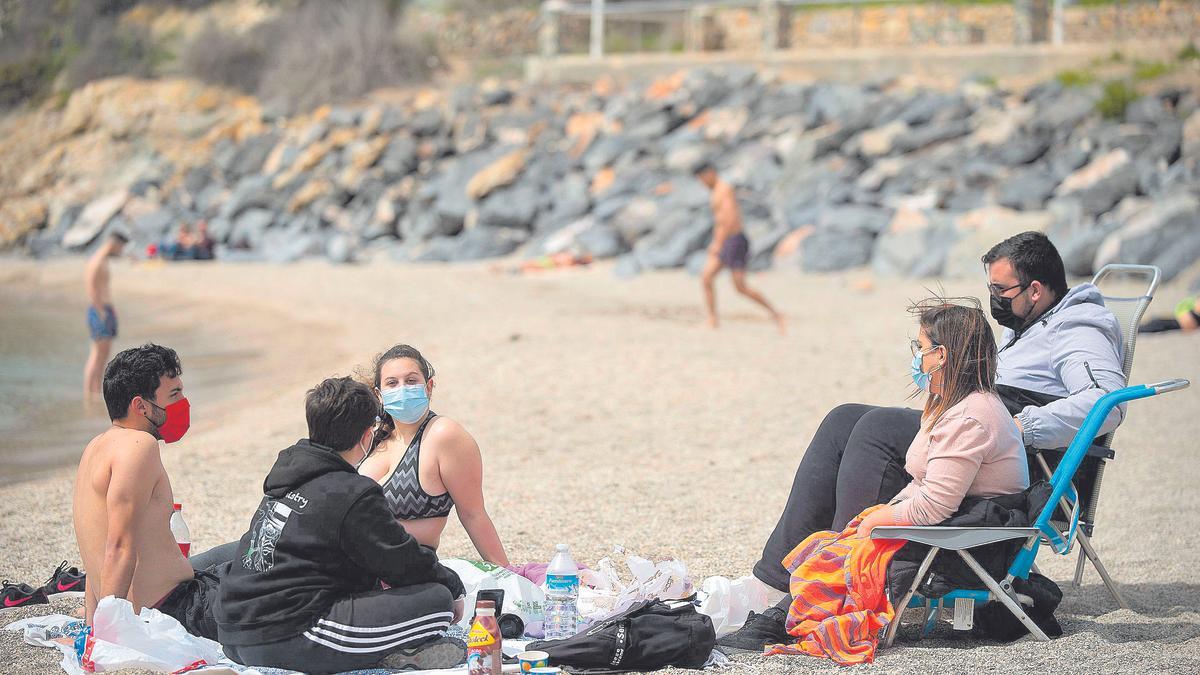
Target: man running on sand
122, 499
729, 247
101, 317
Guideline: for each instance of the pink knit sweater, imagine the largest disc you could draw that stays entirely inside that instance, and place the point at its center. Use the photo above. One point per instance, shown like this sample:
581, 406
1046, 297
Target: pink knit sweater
974, 449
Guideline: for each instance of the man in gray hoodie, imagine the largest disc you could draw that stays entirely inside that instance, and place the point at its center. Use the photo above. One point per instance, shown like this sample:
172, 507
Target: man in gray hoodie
1059, 353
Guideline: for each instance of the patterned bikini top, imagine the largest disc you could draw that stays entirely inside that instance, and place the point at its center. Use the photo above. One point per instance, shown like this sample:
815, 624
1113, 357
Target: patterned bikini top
403, 491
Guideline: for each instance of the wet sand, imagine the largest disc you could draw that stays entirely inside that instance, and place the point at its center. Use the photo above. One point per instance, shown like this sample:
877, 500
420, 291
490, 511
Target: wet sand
608, 415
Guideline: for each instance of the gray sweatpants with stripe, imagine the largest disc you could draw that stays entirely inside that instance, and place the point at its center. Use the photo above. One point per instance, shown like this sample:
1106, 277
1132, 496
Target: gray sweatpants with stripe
359, 631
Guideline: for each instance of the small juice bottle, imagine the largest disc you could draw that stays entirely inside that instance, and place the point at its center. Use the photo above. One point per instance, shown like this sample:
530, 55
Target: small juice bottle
483, 641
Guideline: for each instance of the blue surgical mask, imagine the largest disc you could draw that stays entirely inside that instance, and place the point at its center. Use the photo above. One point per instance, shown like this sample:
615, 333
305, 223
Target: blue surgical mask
920, 377
406, 404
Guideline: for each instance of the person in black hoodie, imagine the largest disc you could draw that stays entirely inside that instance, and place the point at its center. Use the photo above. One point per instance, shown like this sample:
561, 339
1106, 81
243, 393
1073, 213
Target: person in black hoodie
304, 590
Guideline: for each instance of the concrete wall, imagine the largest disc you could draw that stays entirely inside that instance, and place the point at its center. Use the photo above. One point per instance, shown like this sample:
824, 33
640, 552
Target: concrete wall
1028, 62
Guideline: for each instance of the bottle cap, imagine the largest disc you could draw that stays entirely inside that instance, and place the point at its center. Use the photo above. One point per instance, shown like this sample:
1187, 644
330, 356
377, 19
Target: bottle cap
178, 507
561, 547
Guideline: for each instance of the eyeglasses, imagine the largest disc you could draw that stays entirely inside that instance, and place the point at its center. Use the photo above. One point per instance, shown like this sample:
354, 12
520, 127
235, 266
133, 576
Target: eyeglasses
998, 290
916, 348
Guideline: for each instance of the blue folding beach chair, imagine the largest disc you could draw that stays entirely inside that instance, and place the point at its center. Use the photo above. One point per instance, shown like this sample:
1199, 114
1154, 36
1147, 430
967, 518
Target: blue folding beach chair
963, 539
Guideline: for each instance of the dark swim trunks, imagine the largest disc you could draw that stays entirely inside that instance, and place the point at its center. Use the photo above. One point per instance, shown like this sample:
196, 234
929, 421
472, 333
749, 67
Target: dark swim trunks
102, 327
735, 251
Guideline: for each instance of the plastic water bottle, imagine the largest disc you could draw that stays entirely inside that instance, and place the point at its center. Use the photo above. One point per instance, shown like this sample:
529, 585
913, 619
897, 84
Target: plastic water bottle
183, 536
562, 594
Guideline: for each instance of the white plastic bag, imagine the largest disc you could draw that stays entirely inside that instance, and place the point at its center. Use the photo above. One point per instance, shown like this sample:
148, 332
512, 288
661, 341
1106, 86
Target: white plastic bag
521, 596
608, 590
150, 640
728, 602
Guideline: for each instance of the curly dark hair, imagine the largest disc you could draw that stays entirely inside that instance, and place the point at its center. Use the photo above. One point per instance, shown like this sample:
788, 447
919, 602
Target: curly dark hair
137, 372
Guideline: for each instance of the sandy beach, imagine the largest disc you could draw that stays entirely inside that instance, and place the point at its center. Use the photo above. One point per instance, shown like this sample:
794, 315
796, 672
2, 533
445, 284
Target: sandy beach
606, 415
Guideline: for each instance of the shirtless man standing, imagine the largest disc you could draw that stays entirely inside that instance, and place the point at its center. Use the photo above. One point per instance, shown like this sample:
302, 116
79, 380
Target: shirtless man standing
101, 317
122, 499
729, 247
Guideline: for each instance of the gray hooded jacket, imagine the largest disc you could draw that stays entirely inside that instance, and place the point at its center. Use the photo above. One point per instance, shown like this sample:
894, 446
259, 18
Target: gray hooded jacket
1072, 351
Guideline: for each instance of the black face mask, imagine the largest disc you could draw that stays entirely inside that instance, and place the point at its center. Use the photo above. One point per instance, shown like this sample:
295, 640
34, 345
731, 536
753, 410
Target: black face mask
1003, 314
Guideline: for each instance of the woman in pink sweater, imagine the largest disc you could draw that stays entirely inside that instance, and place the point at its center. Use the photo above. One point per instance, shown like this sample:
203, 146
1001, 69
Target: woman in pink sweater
968, 443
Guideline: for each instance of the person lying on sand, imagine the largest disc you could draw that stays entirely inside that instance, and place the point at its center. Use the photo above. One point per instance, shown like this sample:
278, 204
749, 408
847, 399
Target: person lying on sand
427, 463
122, 497
304, 590
1059, 353
1187, 318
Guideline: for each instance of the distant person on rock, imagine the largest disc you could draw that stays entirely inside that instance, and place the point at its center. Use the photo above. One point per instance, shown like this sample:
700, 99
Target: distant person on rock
101, 317
729, 247
203, 244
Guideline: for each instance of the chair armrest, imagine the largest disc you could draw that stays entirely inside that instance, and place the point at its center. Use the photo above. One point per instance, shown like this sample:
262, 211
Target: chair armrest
954, 538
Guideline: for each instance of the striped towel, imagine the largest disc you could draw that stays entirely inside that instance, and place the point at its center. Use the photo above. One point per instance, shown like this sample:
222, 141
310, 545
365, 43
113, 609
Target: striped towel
838, 599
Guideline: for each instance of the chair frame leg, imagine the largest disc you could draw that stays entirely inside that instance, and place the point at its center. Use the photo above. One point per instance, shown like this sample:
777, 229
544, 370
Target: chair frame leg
894, 627
1086, 550
1004, 598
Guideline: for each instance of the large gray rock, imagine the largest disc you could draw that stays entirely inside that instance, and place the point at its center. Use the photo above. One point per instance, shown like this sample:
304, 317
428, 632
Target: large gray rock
1191, 135
1165, 234
510, 207
251, 192
831, 250
979, 230
1026, 189
932, 133
93, 218
636, 218
569, 199
251, 154
478, 243
1105, 181
1147, 110
341, 249
1024, 148
153, 226
600, 241
673, 241
627, 267
426, 122
915, 245
400, 158
854, 217
249, 228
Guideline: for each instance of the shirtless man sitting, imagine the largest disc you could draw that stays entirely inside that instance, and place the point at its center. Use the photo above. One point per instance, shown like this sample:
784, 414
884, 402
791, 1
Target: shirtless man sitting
729, 247
101, 317
122, 499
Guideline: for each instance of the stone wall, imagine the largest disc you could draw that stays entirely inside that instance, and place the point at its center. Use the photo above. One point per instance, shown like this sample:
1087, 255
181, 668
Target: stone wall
901, 25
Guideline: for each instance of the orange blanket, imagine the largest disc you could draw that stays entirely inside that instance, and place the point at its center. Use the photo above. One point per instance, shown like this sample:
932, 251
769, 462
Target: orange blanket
838, 598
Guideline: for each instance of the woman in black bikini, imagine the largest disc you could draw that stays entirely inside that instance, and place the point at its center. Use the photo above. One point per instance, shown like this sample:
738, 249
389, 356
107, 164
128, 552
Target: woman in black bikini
427, 463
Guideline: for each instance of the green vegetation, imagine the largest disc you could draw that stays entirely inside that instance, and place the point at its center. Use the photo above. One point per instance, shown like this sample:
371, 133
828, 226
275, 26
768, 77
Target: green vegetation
1115, 97
1150, 70
1075, 78
1188, 53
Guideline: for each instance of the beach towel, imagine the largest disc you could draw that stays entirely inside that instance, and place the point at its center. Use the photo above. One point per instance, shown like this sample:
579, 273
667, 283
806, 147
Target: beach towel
838, 605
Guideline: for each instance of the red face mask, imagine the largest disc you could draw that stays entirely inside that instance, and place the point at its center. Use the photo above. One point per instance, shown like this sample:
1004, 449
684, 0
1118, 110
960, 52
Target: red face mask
178, 420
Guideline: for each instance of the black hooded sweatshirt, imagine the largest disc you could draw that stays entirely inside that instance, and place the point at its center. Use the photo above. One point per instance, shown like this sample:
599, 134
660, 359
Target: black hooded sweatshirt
321, 533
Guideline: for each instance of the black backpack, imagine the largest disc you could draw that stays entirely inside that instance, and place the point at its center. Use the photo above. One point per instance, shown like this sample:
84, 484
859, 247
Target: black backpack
648, 636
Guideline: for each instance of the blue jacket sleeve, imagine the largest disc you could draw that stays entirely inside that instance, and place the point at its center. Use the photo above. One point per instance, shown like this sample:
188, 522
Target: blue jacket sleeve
1086, 356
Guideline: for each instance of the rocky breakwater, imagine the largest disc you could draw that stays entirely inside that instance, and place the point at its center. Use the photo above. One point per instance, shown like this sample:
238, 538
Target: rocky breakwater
907, 181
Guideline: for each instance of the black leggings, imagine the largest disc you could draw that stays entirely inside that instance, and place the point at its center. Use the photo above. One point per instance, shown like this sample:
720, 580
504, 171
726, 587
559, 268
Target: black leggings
855, 460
